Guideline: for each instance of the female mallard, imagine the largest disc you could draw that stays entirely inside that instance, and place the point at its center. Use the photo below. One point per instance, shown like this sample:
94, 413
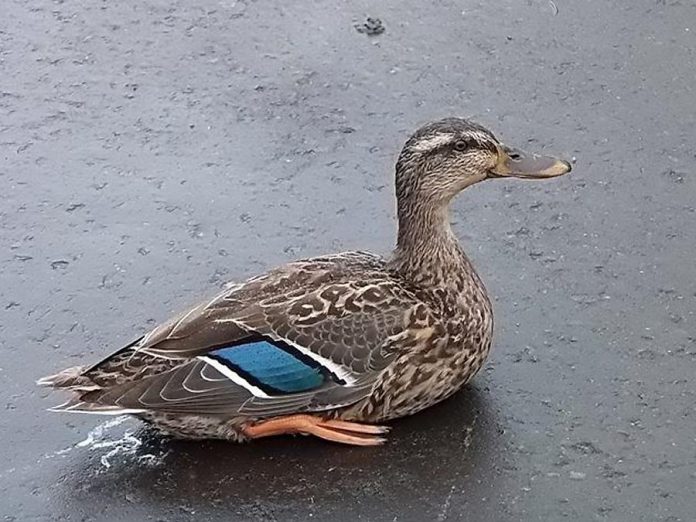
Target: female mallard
327, 346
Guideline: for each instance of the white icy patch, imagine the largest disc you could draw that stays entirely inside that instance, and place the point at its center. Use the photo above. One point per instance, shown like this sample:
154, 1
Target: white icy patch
124, 445
99, 432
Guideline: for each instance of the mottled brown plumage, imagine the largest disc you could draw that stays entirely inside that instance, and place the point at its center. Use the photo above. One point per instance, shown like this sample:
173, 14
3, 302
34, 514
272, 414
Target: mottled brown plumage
348, 336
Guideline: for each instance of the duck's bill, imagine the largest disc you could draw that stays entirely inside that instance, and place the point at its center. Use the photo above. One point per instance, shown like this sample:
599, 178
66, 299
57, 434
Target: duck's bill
514, 163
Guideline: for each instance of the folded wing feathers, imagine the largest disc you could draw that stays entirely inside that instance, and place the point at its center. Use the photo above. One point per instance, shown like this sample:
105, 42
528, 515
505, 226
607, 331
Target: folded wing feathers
344, 327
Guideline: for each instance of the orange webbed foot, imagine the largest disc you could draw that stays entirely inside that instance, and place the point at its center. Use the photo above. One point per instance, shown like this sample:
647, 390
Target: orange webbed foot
345, 432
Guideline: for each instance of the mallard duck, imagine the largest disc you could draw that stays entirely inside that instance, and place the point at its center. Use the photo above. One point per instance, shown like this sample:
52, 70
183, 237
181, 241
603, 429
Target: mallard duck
329, 346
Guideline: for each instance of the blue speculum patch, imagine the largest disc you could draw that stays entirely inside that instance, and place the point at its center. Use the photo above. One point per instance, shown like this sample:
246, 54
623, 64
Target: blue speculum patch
270, 366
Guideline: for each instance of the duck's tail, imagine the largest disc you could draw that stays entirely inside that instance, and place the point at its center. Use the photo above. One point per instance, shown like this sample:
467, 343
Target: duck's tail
74, 380
69, 379
88, 378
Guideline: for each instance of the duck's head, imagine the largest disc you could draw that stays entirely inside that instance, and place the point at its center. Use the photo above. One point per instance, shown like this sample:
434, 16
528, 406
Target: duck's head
444, 157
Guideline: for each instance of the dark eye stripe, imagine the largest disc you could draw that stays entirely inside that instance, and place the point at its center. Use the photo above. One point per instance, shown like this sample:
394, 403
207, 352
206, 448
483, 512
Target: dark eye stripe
487, 145
473, 144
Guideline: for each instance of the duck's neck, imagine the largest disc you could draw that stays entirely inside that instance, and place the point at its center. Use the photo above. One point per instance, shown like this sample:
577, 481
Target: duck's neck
427, 251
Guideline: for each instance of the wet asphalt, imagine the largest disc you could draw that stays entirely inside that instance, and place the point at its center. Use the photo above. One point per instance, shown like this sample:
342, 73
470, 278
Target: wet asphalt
151, 151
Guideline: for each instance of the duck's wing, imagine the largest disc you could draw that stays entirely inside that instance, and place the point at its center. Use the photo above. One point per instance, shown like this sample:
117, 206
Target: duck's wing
310, 336
297, 294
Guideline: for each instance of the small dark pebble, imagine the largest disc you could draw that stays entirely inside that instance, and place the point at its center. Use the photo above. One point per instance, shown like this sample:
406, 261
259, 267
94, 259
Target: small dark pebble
371, 27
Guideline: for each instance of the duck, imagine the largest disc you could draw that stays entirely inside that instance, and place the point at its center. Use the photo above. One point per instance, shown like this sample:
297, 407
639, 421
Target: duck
332, 346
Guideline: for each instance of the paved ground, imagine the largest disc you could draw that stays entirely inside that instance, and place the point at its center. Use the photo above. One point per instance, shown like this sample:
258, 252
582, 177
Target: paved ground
150, 151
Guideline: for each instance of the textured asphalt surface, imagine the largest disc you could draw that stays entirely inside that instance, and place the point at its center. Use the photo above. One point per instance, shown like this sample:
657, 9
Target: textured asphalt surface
151, 151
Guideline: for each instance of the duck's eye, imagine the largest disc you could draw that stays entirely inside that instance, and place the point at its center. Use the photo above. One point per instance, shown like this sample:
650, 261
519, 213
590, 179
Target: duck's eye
461, 145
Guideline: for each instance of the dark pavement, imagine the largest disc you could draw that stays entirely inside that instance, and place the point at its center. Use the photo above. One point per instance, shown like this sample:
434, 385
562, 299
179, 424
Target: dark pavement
151, 151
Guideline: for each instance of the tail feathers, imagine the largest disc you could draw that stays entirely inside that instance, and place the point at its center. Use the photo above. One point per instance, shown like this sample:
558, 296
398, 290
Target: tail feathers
76, 405
71, 378
89, 378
